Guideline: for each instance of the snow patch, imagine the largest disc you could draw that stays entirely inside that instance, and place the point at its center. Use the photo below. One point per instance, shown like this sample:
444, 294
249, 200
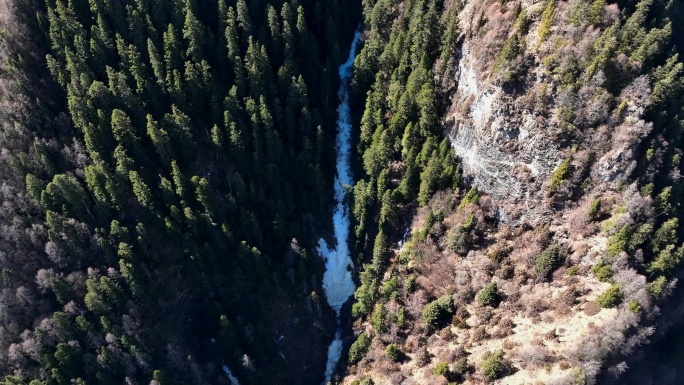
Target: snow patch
231, 377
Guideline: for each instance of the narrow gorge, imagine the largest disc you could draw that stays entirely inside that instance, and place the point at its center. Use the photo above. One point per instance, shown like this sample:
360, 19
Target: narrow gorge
504, 179
337, 279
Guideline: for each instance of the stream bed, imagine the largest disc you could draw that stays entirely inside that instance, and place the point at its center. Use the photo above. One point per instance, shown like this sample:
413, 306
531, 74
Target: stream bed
337, 280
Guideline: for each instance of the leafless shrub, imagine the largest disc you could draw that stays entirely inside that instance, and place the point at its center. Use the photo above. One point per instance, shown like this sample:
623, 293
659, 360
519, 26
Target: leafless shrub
496, 31
76, 154
478, 334
459, 322
533, 304
77, 281
578, 221
610, 13
551, 335
638, 338
446, 334
422, 356
414, 342
505, 272
548, 317
395, 377
631, 132
510, 289
383, 365
527, 248
509, 344
608, 339
56, 254
565, 297
174, 356
437, 380
630, 281
562, 309
591, 369
484, 314
638, 96
482, 270
43, 279
462, 312
504, 328
618, 369
533, 356
464, 295
416, 302
71, 308
424, 253
579, 252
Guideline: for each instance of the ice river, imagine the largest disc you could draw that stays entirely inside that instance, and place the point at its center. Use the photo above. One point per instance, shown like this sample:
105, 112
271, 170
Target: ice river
337, 280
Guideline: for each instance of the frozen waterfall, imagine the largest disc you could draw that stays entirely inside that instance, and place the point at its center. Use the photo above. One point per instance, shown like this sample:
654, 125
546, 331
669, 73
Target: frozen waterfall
337, 280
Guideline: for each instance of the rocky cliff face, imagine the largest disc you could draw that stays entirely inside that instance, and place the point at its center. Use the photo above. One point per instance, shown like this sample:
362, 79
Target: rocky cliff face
503, 146
509, 133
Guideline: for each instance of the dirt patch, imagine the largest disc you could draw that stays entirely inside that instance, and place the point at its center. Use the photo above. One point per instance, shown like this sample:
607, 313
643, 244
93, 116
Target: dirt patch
592, 308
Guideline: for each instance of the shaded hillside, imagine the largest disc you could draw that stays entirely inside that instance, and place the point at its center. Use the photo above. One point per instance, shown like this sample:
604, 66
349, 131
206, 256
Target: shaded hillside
164, 166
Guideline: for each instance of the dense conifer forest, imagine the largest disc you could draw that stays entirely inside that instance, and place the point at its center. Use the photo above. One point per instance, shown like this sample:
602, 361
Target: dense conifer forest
164, 167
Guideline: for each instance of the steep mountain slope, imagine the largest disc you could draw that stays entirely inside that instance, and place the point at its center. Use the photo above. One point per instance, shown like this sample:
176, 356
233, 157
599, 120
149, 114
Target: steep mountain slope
549, 262
166, 170
164, 166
